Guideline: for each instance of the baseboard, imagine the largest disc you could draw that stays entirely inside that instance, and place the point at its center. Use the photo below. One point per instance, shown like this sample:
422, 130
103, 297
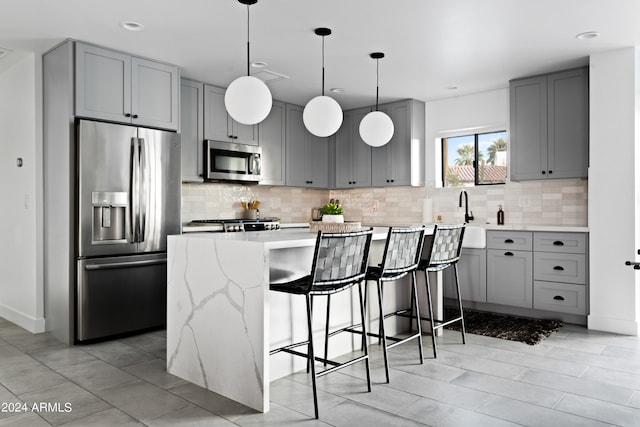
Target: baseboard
616, 326
34, 325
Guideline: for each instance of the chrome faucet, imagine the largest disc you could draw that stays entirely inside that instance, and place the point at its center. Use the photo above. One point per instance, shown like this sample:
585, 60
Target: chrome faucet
468, 215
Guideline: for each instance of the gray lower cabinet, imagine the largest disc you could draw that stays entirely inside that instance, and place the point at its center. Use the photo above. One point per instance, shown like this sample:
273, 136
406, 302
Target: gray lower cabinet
272, 132
549, 120
118, 87
191, 129
401, 161
472, 276
219, 126
307, 156
352, 154
560, 272
510, 268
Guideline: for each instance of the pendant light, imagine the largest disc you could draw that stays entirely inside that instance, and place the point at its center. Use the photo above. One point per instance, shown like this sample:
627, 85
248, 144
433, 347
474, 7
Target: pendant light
322, 116
248, 99
376, 128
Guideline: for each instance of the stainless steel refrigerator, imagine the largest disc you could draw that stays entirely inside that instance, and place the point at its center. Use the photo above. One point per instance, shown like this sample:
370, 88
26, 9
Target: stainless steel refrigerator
128, 201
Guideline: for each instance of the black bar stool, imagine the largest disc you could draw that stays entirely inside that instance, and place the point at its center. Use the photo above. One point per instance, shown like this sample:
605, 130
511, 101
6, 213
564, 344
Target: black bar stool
443, 252
401, 256
339, 262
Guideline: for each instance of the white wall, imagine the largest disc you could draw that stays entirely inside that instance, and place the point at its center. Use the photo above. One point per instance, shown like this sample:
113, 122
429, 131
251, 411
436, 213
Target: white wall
614, 192
21, 272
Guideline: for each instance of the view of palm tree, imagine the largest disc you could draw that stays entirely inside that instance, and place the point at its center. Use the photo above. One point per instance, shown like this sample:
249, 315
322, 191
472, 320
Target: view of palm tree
475, 159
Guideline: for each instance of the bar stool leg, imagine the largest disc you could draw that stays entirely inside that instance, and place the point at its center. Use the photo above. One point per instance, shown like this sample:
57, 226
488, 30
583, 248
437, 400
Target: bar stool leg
455, 270
364, 336
414, 291
431, 318
311, 356
326, 331
382, 332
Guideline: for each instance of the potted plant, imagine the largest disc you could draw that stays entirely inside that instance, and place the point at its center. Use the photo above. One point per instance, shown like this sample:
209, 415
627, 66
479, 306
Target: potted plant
332, 212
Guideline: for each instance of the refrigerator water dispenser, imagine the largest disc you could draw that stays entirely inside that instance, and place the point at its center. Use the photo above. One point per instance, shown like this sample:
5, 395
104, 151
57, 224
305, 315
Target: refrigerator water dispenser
109, 216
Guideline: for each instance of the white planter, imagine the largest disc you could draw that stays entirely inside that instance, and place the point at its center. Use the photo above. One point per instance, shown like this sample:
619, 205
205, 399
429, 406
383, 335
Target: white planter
332, 218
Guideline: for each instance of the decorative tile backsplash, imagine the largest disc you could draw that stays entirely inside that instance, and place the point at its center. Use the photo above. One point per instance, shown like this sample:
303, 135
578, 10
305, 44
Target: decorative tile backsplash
552, 202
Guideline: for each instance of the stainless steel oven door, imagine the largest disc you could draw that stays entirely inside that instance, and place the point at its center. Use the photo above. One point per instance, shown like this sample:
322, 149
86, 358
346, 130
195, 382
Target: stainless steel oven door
117, 295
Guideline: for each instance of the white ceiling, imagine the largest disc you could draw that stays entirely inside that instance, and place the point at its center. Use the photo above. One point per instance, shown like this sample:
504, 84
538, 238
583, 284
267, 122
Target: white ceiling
430, 45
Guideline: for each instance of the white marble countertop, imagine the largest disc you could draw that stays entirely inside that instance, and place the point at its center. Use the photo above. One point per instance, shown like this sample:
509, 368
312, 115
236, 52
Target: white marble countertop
557, 228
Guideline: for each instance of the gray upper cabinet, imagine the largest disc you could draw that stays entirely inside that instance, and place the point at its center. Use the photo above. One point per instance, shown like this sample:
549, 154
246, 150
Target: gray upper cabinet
549, 117
352, 155
191, 129
307, 156
401, 160
121, 88
272, 133
219, 126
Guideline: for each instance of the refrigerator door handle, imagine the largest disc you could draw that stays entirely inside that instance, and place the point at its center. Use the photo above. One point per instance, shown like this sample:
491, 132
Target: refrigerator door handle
143, 181
107, 266
135, 190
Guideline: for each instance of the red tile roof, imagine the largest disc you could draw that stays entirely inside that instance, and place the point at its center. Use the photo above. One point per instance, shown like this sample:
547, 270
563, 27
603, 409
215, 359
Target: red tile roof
492, 173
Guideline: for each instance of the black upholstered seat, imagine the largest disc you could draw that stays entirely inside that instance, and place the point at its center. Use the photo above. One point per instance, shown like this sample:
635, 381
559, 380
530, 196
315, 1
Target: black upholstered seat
339, 262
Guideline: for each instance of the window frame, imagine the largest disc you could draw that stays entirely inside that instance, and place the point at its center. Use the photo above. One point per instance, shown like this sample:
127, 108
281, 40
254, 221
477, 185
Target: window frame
476, 137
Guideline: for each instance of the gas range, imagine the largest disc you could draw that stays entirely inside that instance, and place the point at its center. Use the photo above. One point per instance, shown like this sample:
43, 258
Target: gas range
237, 225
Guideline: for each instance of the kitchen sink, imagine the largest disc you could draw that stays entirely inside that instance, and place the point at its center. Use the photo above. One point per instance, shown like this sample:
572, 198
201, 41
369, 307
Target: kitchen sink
474, 237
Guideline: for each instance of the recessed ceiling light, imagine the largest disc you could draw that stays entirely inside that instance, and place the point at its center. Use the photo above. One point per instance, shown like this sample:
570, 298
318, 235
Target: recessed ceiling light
259, 64
337, 89
587, 35
132, 26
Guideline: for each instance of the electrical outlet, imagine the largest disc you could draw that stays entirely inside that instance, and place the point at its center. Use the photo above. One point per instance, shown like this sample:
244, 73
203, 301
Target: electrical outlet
524, 202
374, 206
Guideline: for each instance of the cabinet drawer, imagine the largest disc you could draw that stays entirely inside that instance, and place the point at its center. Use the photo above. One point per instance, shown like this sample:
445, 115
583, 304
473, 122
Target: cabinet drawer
510, 240
570, 243
555, 267
562, 297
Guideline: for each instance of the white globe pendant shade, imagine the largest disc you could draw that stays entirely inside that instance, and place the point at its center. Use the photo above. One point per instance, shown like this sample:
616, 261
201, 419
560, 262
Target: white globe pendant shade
322, 116
376, 129
248, 100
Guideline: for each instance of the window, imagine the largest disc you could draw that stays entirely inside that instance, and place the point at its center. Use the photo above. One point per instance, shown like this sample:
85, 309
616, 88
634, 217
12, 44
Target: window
478, 159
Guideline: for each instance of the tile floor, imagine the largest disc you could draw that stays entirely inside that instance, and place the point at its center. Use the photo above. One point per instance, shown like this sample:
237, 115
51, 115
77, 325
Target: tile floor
574, 378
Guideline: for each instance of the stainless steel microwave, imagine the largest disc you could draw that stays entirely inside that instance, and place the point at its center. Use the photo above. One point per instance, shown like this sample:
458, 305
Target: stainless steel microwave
226, 161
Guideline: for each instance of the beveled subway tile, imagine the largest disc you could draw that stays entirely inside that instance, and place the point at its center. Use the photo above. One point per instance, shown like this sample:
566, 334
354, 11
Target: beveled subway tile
579, 386
598, 410
537, 395
527, 414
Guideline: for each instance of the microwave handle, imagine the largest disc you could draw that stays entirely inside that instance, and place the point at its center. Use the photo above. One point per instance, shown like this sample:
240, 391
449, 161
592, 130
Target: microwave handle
255, 166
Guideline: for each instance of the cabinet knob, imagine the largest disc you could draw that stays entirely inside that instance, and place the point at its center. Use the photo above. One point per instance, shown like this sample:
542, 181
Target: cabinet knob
135, 116
550, 172
127, 115
544, 172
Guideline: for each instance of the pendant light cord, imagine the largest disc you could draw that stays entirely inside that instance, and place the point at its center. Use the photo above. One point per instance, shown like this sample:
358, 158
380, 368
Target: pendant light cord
322, 65
377, 81
248, 38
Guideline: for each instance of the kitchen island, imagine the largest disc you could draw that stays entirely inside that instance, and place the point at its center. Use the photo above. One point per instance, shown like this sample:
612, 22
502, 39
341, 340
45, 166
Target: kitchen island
222, 319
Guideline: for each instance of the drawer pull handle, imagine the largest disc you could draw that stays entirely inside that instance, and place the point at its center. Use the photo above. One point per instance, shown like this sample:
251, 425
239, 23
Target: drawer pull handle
558, 243
558, 268
508, 241
558, 298
508, 254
